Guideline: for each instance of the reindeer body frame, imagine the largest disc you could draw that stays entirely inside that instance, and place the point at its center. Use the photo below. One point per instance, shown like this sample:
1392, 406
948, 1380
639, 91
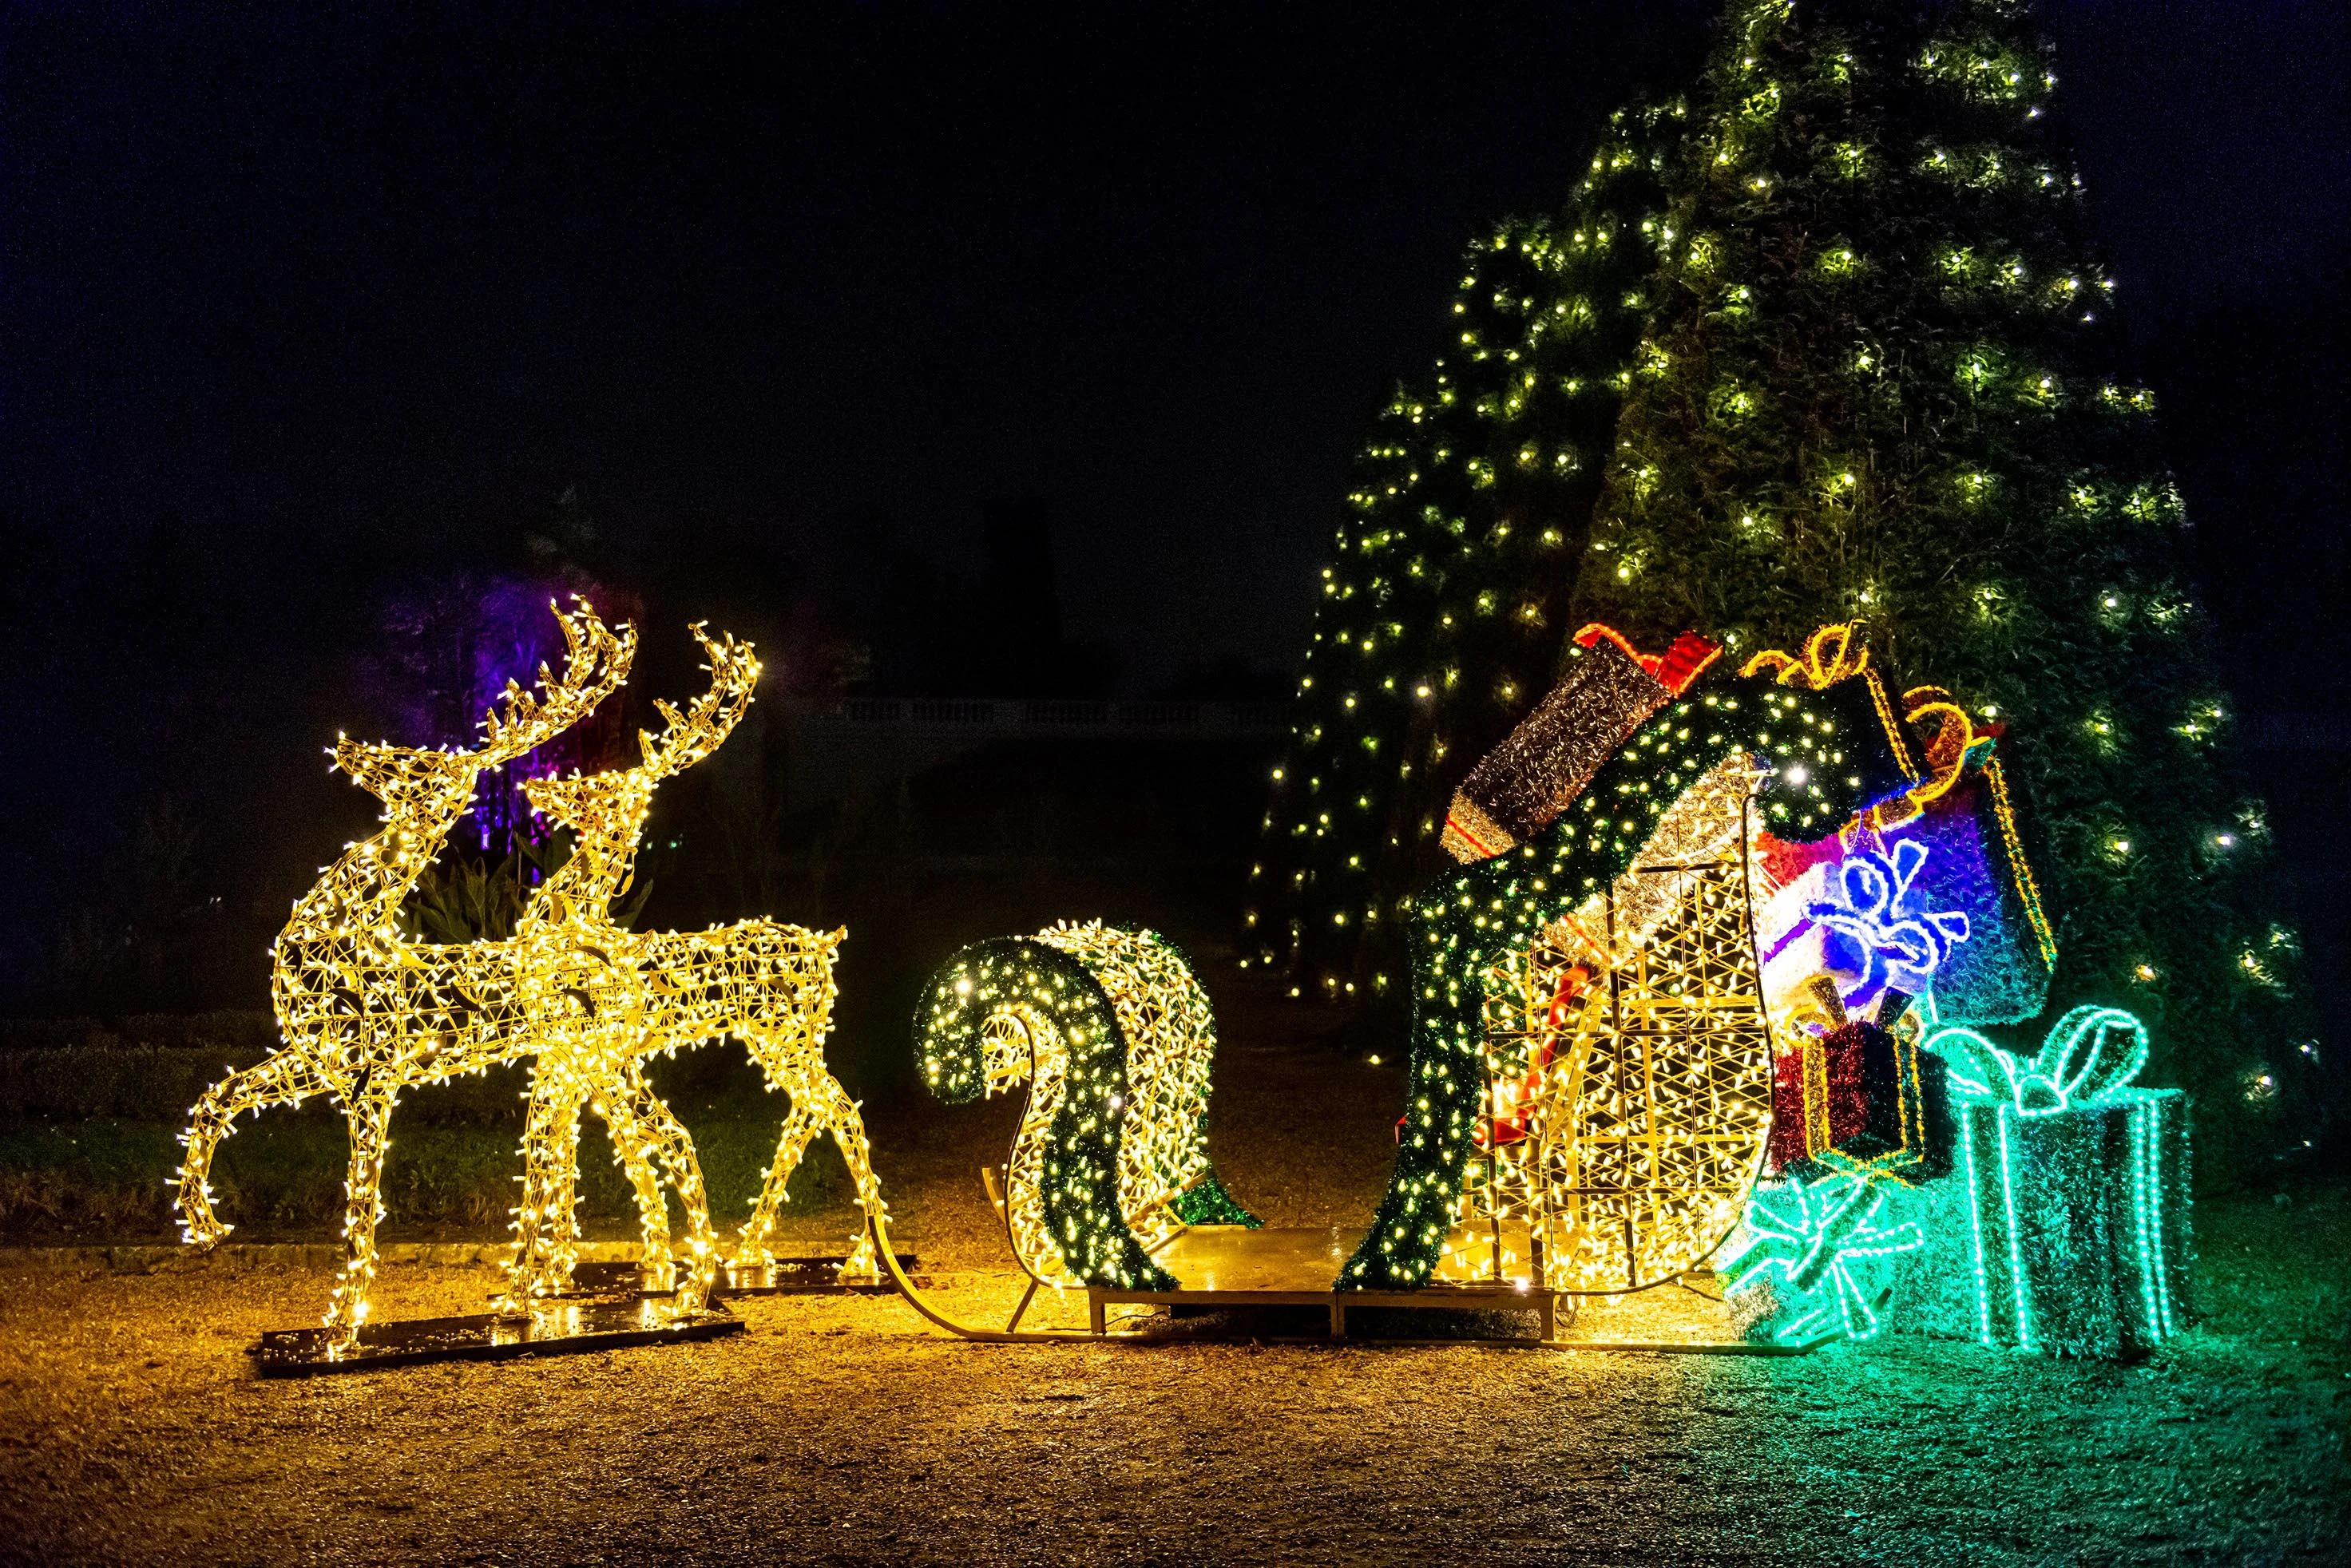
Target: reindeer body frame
767, 984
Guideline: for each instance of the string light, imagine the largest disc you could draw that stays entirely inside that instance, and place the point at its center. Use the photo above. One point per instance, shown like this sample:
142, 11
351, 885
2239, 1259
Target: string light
2075, 1237
1115, 1038
1625, 1093
1857, 1099
768, 985
1875, 909
1546, 316
1970, 317
1523, 784
1808, 1251
367, 1013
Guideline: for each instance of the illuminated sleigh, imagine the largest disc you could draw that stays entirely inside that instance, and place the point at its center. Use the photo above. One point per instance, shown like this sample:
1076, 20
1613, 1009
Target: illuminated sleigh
1667, 862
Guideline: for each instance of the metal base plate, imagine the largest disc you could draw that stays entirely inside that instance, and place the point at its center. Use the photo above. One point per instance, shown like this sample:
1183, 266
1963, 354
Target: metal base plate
784, 1277
601, 1323
1227, 1266
810, 1277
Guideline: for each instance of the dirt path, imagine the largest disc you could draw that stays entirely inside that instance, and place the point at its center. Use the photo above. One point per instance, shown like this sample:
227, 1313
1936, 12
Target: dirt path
843, 1430
840, 1430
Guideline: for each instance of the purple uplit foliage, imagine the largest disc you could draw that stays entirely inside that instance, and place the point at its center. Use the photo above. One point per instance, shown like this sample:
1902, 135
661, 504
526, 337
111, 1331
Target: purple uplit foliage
450, 645
515, 636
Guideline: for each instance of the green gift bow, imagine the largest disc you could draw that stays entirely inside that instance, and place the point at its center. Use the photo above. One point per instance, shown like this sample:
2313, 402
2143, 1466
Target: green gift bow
1805, 1235
2080, 1062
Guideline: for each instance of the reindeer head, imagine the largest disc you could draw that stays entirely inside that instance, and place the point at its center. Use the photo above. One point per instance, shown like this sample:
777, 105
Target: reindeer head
607, 810
410, 780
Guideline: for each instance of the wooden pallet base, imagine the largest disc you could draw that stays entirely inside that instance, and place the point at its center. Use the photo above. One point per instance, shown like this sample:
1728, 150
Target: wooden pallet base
1227, 1266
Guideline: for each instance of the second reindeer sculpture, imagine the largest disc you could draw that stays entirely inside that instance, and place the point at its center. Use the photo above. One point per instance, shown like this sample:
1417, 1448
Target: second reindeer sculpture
767, 984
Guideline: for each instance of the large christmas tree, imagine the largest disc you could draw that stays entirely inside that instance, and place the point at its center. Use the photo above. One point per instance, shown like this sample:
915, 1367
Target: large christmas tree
1882, 379
1871, 370
1442, 617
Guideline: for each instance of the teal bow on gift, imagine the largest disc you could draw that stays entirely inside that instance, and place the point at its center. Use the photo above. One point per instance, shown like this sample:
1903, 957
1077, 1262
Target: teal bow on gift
1808, 1235
2089, 1056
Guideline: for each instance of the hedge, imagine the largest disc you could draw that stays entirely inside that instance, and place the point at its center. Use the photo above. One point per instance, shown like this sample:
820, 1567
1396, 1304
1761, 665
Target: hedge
162, 1083
253, 1033
153, 1067
91, 1111
283, 1175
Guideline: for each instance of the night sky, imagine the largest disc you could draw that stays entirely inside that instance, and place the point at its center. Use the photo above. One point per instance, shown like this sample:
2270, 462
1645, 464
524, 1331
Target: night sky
299, 308
404, 276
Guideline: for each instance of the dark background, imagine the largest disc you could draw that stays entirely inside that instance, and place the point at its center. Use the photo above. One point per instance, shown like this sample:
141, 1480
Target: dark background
299, 308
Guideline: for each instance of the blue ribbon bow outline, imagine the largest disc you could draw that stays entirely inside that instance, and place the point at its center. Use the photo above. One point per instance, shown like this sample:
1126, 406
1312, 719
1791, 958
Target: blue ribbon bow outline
2089, 1056
1873, 904
1803, 1234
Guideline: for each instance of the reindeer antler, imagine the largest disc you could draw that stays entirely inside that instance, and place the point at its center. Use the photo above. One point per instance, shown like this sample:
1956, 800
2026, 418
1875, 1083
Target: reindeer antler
697, 733
596, 661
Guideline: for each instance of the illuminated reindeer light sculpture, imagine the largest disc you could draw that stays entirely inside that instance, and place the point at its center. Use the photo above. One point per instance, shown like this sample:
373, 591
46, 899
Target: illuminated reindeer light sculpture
367, 1013
600, 1066
767, 984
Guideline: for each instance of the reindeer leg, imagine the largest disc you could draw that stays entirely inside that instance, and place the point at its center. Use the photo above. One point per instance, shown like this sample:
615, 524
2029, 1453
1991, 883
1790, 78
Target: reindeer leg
286, 1079
561, 1216
831, 1102
658, 1132
634, 1145
545, 1229
368, 1110
800, 1128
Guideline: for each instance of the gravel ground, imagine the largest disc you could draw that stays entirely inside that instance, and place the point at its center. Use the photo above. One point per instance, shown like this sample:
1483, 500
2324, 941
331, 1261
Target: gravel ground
843, 1430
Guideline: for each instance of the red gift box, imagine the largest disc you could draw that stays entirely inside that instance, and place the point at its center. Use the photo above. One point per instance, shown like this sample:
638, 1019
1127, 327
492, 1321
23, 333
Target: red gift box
1858, 1100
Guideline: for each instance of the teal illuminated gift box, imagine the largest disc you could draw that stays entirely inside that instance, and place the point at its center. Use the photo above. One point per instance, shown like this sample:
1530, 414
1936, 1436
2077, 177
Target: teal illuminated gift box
2064, 1226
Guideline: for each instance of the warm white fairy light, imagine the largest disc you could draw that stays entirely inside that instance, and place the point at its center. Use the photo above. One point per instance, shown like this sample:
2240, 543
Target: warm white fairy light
367, 1013
766, 984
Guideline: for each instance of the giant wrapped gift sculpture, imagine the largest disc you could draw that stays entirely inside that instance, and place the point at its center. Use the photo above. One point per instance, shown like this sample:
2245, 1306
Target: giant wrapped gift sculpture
2065, 1228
